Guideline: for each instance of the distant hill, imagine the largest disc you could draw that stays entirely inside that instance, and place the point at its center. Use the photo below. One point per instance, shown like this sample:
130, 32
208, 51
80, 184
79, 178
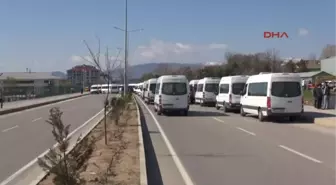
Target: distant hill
59, 74
138, 70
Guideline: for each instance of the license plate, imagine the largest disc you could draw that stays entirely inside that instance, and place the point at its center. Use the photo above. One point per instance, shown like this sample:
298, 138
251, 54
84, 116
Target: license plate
280, 110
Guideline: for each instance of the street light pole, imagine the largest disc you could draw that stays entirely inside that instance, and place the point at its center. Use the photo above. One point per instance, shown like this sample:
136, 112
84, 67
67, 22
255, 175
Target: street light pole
83, 77
1, 93
126, 50
126, 31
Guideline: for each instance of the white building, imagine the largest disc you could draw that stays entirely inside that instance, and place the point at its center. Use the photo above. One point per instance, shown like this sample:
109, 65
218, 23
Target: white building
28, 83
329, 65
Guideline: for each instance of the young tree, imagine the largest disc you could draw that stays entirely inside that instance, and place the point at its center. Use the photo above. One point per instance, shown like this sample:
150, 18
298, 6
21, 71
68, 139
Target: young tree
289, 67
110, 67
302, 66
56, 161
312, 56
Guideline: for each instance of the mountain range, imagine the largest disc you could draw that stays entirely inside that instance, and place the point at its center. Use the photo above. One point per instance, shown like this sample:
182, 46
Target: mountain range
58, 74
137, 71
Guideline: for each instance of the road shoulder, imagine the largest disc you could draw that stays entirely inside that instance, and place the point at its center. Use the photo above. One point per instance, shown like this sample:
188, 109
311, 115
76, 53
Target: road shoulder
161, 168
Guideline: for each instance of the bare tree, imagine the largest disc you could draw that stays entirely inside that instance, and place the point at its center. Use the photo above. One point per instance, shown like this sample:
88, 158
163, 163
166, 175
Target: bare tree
328, 51
110, 67
312, 56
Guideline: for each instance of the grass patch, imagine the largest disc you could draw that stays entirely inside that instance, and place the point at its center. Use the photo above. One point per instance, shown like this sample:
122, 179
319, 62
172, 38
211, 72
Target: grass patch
308, 97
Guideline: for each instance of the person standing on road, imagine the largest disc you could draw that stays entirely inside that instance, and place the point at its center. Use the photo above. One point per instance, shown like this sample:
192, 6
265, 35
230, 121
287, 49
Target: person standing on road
1, 100
326, 94
317, 94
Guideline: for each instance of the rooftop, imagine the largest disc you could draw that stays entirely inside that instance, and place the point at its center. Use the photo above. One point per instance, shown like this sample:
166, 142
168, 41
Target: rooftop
309, 74
28, 75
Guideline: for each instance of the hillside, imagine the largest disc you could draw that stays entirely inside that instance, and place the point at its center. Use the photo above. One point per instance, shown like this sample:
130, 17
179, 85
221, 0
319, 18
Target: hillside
58, 74
137, 71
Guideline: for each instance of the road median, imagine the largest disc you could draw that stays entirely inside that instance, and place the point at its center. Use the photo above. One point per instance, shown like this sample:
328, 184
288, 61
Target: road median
92, 158
39, 103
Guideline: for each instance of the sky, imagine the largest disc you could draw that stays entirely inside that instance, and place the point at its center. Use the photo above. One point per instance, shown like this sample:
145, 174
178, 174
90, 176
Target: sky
47, 35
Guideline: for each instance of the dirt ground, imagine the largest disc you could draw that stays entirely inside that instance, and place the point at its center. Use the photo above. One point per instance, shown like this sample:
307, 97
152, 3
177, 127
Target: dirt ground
116, 163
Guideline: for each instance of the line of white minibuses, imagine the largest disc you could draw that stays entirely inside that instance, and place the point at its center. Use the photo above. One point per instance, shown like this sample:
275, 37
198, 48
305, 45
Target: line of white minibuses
265, 95
105, 88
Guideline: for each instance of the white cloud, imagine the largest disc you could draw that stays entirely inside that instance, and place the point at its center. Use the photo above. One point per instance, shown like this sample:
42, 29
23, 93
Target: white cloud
217, 46
76, 59
303, 32
79, 59
161, 51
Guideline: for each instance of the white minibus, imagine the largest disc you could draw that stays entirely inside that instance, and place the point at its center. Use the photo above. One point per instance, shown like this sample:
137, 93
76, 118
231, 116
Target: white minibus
273, 95
94, 89
207, 90
105, 88
150, 90
230, 88
144, 86
192, 89
171, 94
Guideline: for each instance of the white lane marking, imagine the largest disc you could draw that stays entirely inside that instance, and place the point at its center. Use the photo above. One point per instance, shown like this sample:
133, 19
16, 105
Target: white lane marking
300, 154
246, 131
178, 163
40, 107
36, 119
219, 120
32, 162
8, 129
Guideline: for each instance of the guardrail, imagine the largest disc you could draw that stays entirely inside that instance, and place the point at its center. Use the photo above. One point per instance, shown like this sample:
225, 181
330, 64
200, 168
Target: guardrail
32, 173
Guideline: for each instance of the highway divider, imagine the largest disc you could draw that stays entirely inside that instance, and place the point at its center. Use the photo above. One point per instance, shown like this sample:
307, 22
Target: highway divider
142, 157
33, 173
34, 105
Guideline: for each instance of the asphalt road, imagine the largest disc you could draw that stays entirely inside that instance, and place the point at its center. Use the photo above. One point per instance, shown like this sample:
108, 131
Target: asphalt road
219, 149
25, 135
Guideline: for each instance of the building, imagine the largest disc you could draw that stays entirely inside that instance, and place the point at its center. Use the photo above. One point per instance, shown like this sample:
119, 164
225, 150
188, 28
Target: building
329, 65
314, 76
86, 74
328, 51
30, 83
312, 65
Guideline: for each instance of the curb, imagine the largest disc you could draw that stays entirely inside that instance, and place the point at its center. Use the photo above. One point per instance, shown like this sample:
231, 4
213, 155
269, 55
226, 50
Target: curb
142, 158
32, 173
17, 109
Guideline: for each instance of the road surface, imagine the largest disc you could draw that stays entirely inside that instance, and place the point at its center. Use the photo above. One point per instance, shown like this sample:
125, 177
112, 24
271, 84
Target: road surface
219, 149
24, 135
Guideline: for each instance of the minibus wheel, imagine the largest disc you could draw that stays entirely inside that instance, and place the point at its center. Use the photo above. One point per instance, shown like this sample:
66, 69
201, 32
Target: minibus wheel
242, 113
260, 115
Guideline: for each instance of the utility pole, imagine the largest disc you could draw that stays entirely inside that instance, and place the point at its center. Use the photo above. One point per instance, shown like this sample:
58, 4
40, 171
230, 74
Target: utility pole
126, 46
1, 93
126, 49
83, 77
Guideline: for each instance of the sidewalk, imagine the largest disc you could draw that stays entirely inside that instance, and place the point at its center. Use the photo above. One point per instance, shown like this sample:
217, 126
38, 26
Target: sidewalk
326, 118
15, 106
